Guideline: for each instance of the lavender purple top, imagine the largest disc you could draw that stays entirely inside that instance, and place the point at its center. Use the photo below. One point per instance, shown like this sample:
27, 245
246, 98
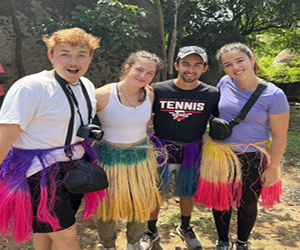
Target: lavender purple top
256, 127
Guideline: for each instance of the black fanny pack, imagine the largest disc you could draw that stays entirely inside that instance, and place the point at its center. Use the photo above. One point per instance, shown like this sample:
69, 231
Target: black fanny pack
85, 177
220, 129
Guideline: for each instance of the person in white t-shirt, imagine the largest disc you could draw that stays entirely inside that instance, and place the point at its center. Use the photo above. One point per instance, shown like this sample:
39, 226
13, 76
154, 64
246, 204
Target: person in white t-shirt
34, 121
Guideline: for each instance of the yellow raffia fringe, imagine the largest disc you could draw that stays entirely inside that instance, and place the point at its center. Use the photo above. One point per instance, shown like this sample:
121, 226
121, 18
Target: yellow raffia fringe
219, 164
132, 191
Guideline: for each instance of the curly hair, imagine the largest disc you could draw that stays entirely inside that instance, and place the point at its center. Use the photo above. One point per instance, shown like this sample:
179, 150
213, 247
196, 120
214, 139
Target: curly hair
74, 37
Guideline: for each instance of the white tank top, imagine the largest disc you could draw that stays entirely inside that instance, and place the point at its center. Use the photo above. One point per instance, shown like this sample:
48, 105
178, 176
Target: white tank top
123, 124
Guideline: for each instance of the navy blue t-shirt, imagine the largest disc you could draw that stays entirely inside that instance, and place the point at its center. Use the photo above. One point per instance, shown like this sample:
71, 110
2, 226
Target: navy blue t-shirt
182, 115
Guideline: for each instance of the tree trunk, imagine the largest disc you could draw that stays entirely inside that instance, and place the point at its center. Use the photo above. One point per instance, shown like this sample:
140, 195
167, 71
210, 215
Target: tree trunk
16, 25
172, 36
162, 37
185, 8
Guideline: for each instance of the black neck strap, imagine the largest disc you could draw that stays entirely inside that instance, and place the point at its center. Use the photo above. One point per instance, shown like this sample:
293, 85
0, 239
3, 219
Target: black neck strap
72, 99
249, 104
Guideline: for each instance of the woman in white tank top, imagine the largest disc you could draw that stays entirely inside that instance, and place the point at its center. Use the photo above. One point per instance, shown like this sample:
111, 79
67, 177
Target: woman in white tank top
124, 108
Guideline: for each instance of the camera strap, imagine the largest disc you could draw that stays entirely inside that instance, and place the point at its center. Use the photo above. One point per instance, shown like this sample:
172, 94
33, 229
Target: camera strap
72, 99
249, 104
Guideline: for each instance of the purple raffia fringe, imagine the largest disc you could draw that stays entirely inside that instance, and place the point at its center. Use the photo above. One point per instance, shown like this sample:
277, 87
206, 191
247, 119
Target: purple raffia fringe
16, 213
187, 179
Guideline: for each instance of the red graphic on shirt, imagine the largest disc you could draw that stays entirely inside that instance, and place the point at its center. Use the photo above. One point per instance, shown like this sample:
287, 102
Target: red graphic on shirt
180, 115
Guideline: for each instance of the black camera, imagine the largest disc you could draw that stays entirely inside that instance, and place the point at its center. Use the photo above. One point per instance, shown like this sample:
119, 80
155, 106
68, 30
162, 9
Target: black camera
90, 131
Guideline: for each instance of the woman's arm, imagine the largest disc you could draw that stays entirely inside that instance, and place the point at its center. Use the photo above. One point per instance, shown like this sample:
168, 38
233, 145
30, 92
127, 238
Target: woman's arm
279, 127
102, 96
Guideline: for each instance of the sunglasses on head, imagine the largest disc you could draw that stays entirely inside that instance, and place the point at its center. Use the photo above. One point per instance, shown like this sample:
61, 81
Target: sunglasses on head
192, 48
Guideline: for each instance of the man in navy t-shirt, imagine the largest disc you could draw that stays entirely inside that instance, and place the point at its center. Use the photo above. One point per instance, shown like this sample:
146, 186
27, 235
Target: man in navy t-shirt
182, 107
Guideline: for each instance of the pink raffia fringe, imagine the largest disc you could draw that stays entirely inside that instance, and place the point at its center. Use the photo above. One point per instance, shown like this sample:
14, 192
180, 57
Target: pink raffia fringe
220, 196
91, 199
17, 205
91, 203
271, 195
220, 182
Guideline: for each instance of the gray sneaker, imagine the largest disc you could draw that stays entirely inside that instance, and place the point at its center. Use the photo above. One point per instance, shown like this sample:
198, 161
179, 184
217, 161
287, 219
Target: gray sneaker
223, 245
241, 246
135, 246
189, 237
148, 239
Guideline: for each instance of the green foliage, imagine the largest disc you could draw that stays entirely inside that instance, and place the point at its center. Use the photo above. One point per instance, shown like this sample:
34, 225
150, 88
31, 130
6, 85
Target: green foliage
279, 74
256, 16
275, 40
247, 16
225, 17
200, 16
116, 23
286, 38
266, 47
293, 137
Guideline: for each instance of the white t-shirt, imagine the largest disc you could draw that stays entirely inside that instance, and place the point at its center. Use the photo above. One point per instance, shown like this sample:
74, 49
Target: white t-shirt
39, 105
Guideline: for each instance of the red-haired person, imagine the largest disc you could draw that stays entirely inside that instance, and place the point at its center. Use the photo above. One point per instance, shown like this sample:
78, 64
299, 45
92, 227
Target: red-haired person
34, 122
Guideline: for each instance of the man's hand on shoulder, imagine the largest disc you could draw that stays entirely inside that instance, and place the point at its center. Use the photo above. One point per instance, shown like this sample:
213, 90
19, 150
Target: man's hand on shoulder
149, 88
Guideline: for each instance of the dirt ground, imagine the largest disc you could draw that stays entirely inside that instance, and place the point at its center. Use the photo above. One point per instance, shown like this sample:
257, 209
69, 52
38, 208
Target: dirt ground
275, 229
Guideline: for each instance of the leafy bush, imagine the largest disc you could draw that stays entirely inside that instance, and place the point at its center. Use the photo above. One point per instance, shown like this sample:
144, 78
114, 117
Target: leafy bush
116, 23
282, 73
267, 46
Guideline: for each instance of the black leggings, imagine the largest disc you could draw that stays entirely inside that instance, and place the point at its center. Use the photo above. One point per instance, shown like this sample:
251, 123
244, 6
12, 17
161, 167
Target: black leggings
247, 212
